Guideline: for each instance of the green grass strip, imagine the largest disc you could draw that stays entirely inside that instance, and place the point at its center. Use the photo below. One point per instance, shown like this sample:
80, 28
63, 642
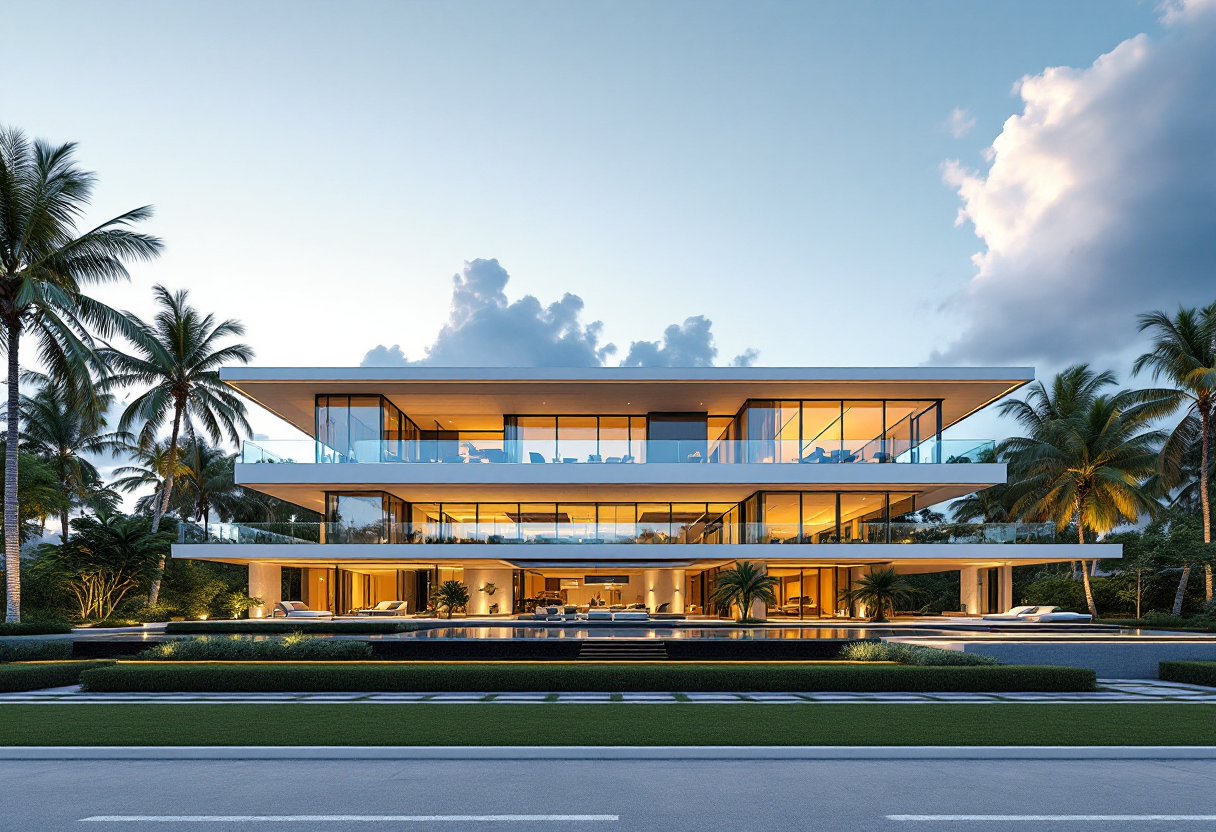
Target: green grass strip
609, 724
573, 677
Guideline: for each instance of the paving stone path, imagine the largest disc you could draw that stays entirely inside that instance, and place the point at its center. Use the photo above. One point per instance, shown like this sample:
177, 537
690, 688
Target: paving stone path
1109, 690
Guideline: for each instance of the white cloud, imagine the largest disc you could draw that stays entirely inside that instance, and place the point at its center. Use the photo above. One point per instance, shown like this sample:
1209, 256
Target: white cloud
960, 122
484, 329
1099, 202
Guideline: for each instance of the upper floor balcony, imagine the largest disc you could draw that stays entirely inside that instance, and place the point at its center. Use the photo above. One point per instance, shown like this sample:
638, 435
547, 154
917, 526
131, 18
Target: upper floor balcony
498, 451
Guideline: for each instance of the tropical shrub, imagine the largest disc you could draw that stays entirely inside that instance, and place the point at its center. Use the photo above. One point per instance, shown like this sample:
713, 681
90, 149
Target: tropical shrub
35, 628
911, 654
451, 596
108, 556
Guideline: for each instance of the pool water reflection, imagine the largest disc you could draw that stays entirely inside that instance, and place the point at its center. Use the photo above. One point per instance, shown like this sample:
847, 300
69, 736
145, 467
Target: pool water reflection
737, 633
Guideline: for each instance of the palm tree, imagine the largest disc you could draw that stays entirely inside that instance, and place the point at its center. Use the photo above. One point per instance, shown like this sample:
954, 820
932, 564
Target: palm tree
880, 591
991, 505
744, 584
1184, 353
44, 265
179, 354
1092, 464
150, 468
63, 424
209, 483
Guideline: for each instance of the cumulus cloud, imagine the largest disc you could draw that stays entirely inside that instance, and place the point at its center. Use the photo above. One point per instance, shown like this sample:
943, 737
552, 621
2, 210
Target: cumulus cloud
1099, 201
960, 122
484, 329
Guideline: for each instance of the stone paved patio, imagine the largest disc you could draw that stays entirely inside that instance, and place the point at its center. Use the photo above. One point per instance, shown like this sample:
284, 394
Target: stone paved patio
1109, 690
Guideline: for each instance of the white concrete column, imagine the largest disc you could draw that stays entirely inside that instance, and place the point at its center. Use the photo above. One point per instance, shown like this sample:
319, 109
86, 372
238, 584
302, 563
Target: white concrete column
1006, 586
663, 586
265, 582
679, 583
480, 602
970, 589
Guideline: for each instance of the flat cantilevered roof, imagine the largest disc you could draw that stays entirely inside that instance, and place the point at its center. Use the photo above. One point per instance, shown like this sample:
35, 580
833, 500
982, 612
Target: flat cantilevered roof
476, 398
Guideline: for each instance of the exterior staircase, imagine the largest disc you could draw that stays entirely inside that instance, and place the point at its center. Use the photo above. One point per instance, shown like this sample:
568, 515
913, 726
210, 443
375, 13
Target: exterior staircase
612, 650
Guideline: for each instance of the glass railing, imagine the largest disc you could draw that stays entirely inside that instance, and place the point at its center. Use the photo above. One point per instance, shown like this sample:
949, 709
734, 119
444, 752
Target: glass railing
654, 451
588, 533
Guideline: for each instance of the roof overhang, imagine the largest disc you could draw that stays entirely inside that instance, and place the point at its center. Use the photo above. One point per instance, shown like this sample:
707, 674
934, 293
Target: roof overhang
476, 398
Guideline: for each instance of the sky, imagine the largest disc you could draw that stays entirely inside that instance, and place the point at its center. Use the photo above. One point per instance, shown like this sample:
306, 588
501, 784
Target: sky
781, 184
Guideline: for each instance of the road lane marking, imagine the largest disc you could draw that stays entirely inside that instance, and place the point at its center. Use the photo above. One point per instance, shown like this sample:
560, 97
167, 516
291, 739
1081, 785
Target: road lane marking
339, 818
1008, 818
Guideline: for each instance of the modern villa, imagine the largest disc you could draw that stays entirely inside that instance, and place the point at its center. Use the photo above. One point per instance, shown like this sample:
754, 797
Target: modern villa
620, 487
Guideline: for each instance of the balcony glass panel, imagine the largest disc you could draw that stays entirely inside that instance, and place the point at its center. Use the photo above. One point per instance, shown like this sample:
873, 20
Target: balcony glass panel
424, 523
496, 522
614, 438
781, 518
819, 517
863, 431
577, 439
466, 448
862, 516
537, 436
654, 523
688, 521
637, 439
459, 522
538, 522
576, 523
617, 523
725, 530
820, 432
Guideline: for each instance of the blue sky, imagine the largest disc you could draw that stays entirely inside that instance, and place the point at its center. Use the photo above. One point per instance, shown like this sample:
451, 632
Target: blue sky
322, 170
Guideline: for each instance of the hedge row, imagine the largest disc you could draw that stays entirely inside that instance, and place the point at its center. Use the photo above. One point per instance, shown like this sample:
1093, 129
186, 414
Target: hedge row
25, 650
35, 628
37, 675
235, 648
284, 626
1189, 673
554, 677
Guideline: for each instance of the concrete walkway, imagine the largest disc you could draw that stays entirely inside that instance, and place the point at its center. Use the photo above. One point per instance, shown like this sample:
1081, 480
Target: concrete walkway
1109, 690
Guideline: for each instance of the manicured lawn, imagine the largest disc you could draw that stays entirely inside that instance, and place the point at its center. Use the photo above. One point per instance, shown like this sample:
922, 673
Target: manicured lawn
608, 724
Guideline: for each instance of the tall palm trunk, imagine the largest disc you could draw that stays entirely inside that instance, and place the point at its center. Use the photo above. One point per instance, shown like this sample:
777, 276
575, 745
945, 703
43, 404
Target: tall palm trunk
163, 505
12, 528
1089, 592
1186, 575
1205, 501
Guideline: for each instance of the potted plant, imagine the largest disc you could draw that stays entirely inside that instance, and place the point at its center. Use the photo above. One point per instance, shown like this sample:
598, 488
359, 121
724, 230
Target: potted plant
450, 595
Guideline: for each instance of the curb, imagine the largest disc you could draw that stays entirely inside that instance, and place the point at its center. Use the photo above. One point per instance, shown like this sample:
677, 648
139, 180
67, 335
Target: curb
532, 754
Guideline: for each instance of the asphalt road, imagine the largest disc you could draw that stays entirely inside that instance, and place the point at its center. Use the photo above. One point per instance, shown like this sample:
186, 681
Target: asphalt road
607, 795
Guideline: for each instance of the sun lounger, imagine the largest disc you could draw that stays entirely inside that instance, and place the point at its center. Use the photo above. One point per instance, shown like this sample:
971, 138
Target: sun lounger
1013, 615
386, 608
599, 614
631, 615
298, 609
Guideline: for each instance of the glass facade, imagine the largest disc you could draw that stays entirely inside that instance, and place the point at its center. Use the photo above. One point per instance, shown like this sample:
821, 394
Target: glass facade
781, 517
372, 429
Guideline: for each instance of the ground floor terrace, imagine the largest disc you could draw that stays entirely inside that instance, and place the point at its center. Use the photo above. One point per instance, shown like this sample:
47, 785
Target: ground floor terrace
358, 578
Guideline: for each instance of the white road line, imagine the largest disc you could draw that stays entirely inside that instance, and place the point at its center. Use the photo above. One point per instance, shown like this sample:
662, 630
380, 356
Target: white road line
339, 818
1008, 818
